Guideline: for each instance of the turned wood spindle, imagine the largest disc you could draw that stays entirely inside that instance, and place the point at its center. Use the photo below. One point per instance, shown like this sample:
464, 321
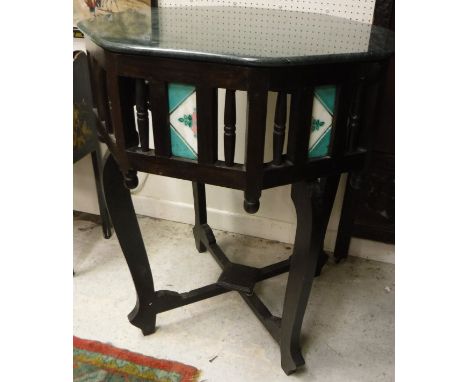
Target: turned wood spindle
257, 100
279, 128
229, 127
142, 113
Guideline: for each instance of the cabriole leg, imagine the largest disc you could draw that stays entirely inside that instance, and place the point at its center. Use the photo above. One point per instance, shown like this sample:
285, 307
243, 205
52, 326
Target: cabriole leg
128, 233
310, 201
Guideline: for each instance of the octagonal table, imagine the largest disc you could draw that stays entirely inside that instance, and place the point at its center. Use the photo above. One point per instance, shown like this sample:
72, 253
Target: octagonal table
172, 61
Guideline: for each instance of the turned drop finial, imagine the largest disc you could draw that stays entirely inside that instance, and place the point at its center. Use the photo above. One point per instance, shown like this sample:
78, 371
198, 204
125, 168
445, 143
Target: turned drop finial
131, 179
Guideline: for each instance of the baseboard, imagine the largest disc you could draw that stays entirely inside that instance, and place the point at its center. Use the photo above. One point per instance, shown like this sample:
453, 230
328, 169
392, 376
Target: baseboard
251, 225
257, 226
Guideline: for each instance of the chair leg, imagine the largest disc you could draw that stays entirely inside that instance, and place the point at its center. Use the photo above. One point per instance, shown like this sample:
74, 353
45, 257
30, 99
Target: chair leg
351, 200
199, 202
97, 167
311, 201
128, 233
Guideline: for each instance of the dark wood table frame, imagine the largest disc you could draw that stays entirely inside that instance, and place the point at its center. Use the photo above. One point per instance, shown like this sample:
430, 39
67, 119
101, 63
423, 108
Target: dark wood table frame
121, 81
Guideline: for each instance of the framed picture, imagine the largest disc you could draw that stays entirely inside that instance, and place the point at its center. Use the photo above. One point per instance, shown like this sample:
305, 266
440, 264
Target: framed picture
85, 9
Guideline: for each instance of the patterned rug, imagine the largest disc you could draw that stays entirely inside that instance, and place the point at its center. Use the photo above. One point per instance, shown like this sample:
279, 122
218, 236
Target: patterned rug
97, 362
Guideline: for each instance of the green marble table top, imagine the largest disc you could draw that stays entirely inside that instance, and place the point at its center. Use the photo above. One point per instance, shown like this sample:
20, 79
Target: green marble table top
236, 35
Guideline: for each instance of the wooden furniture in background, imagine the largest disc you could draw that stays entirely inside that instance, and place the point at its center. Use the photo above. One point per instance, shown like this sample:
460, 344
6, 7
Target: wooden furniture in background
368, 210
84, 131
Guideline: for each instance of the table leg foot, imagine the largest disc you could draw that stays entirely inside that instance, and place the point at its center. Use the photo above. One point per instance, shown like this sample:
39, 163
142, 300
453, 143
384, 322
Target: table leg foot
143, 318
292, 361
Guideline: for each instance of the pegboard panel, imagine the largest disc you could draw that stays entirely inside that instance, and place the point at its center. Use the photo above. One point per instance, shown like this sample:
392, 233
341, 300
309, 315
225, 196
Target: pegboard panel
263, 33
358, 10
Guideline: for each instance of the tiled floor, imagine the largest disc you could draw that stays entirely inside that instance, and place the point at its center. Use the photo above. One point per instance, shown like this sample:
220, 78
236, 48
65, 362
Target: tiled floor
348, 331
